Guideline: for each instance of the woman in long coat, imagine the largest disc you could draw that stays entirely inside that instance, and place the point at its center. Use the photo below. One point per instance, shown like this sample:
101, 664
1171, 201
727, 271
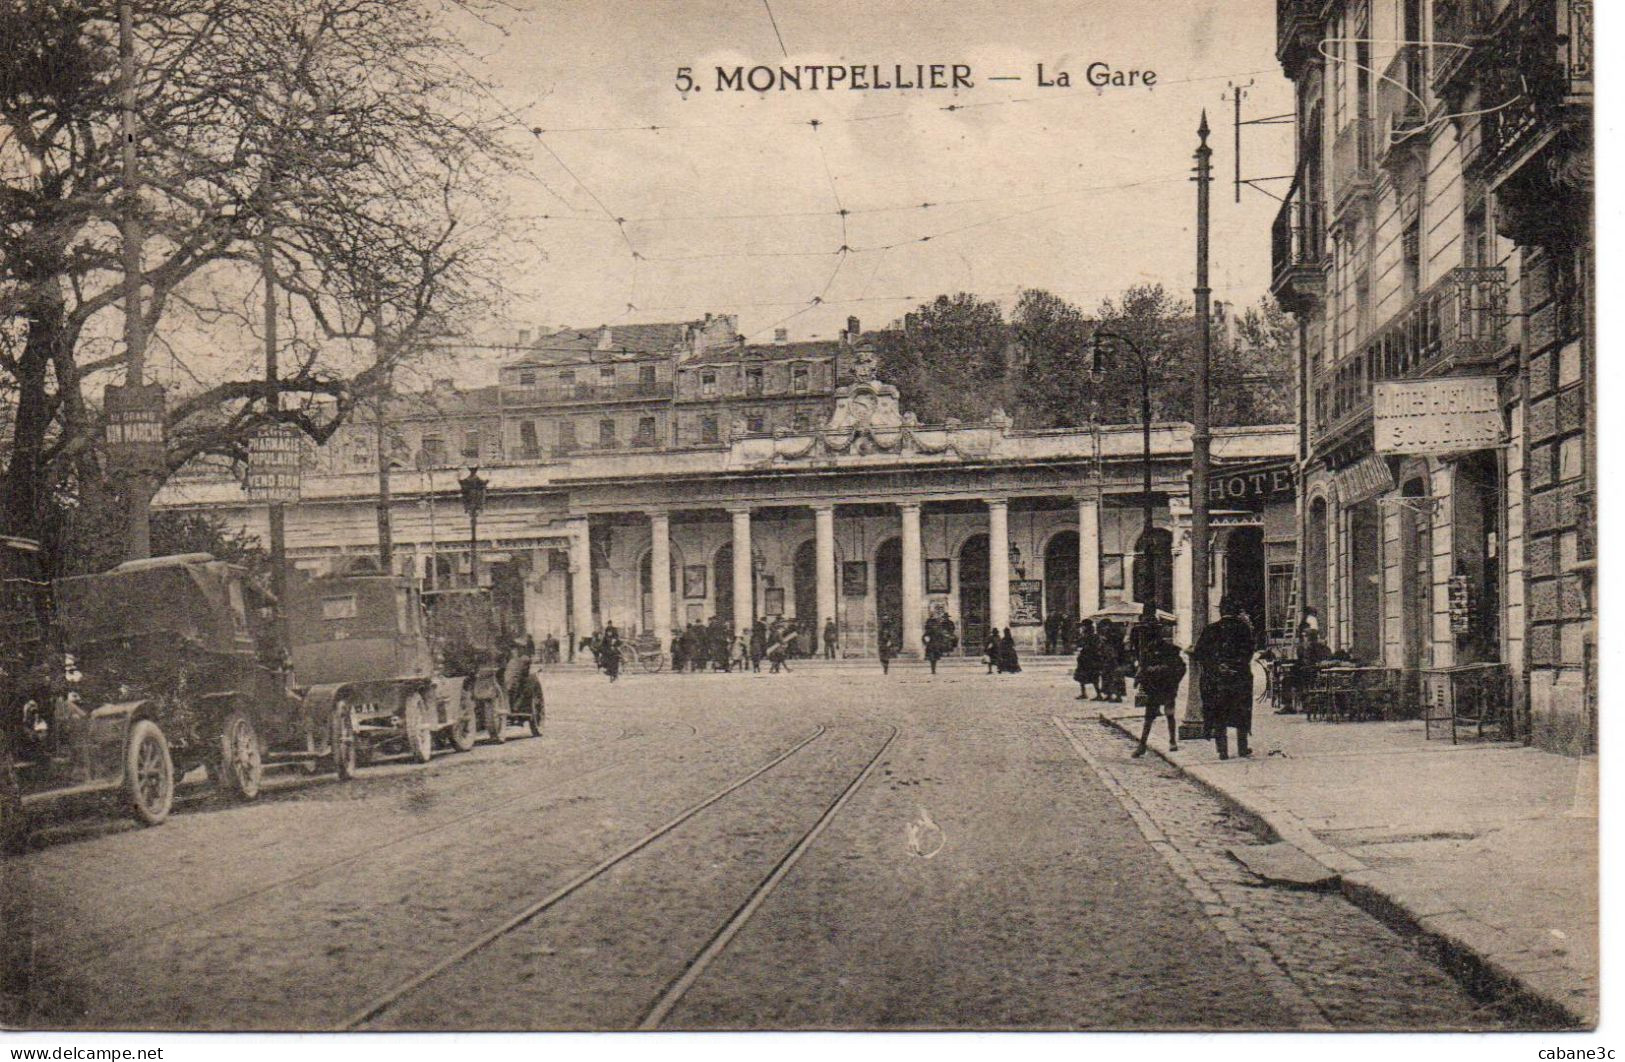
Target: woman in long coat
1087, 672
1109, 660
1008, 661
1225, 653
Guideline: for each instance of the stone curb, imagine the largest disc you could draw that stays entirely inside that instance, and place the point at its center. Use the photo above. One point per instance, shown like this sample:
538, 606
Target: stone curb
1479, 954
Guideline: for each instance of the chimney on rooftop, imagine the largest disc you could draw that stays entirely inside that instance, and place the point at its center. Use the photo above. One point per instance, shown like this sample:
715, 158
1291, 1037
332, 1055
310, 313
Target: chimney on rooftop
781, 336
524, 337
852, 328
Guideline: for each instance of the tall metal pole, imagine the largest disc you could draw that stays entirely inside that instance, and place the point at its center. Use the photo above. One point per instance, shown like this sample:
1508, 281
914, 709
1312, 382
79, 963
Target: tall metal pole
139, 486
474, 549
1148, 556
278, 516
1200, 436
386, 536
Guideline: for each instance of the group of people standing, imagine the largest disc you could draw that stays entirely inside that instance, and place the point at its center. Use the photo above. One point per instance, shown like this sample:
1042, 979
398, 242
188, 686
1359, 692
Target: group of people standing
712, 645
999, 652
1223, 653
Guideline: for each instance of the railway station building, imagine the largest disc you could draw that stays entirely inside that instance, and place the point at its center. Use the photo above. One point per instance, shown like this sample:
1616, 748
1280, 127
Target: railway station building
862, 515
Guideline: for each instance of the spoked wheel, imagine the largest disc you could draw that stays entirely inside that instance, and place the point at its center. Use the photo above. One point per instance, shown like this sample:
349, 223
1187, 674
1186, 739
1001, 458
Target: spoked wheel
342, 736
242, 763
652, 662
496, 716
537, 711
415, 718
468, 721
149, 773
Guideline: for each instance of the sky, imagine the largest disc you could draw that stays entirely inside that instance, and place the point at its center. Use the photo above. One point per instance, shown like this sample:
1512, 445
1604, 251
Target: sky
733, 204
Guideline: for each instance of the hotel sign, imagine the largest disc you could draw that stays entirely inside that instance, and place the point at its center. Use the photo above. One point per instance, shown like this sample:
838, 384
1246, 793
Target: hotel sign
1448, 415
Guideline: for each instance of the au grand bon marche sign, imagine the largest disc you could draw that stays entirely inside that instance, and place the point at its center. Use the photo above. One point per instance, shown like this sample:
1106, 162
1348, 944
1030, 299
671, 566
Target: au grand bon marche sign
1448, 415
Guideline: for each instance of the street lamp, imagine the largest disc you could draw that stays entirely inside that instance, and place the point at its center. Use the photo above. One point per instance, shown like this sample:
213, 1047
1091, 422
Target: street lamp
1097, 373
473, 488
1015, 561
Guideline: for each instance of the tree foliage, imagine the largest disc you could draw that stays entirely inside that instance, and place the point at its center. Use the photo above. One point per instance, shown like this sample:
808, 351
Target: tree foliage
341, 137
947, 358
1042, 371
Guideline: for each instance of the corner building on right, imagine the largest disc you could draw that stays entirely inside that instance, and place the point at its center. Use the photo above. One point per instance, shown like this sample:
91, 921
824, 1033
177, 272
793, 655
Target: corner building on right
1436, 248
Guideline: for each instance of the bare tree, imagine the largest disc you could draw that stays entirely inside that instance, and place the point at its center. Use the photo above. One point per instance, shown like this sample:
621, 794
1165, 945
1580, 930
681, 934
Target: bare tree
344, 138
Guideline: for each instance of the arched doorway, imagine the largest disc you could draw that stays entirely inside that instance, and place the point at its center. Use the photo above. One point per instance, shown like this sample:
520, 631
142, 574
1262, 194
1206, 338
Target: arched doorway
1244, 574
1476, 513
1154, 568
889, 586
1364, 636
1416, 575
804, 584
973, 596
722, 584
1061, 575
1315, 561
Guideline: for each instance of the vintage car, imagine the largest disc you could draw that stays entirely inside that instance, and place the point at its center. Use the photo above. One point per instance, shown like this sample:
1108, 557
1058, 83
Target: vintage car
191, 643
495, 675
362, 656
134, 676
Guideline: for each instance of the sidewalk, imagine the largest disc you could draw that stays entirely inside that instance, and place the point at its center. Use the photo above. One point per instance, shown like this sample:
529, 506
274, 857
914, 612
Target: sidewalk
1490, 848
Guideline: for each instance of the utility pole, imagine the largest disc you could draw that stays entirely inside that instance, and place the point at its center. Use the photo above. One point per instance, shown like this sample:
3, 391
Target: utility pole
273, 402
1200, 435
139, 482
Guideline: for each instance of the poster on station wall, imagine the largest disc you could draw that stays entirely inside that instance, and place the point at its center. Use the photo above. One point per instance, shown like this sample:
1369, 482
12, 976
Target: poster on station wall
1448, 415
1026, 602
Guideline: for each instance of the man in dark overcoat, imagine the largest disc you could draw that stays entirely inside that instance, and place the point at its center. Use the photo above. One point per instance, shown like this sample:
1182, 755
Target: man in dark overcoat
1224, 653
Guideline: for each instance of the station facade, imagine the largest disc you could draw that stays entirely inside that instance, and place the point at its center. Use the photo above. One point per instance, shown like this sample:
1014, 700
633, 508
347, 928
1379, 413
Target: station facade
867, 518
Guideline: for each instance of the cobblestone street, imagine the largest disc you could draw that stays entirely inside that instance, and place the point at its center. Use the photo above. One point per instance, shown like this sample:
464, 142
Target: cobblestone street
717, 851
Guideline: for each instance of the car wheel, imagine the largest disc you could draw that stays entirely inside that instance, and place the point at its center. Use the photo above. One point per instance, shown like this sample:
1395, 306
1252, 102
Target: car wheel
496, 717
415, 718
149, 773
462, 731
242, 761
342, 737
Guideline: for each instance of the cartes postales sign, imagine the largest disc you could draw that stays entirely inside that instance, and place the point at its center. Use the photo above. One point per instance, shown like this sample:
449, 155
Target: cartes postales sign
1448, 415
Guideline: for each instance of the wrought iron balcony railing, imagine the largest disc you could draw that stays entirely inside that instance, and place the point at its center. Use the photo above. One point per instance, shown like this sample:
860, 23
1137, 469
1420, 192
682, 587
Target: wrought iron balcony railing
1535, 65
1458, 323
1459, 28
1298, 249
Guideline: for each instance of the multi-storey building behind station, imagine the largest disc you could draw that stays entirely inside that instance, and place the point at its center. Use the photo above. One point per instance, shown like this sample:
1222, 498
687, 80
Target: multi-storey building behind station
1436, 249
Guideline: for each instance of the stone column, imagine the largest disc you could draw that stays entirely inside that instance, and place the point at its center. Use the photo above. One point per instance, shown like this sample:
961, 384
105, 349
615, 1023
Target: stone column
1088, 555
744, 592
913, 590
660, 577
580, 582
1182, 587
998, 563
824, 530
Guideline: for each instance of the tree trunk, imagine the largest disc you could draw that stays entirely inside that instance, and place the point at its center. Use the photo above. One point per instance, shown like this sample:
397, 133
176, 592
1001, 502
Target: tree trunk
24, 490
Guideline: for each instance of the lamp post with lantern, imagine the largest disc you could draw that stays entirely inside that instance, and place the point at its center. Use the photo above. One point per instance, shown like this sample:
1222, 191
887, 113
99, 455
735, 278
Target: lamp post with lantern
473, 490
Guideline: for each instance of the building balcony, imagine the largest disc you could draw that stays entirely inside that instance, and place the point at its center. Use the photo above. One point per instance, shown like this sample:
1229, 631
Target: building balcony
1457, 325
1402, 107
1352, 170
555, 395
1297, 30
1298, 251
1460, 28
1535, 68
